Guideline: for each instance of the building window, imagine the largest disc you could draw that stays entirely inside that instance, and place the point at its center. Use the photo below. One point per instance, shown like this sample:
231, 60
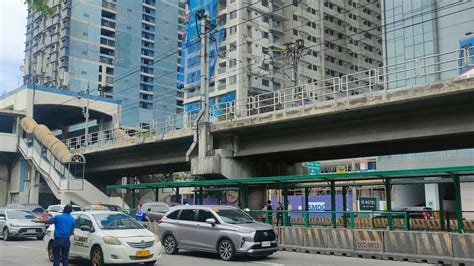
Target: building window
265, 82
233, 14
265, 34
232, 30
232, 79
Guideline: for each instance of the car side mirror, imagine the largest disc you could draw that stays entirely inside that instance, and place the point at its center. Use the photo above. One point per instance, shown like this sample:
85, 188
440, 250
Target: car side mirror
211, 221
86, 228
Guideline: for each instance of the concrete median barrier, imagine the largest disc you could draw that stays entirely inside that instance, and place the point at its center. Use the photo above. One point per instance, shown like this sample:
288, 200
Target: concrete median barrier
315, 241
368, 243
434, 247
292, 238
463, 248
400, 246
340, 242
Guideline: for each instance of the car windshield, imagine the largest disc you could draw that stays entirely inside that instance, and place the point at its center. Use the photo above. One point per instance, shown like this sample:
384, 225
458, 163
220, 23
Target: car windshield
115, 221
20, 214
234, 216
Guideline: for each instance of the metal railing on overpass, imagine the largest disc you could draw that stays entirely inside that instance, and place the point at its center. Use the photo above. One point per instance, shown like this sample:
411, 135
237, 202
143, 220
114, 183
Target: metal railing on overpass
404, 76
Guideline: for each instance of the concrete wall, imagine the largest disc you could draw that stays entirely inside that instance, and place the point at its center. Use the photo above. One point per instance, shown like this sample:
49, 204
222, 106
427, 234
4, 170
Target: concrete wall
23, 186
8, 142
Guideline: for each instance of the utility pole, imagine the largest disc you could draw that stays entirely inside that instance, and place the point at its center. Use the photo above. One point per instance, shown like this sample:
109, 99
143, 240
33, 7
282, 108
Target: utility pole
85, 113
204, 37
295, 51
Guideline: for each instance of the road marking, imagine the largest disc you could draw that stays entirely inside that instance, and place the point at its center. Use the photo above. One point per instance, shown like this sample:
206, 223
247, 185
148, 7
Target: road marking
268, 263
31, 248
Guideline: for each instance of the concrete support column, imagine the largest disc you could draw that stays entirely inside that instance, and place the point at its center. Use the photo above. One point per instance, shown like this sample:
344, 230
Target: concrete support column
205, 144
65, 132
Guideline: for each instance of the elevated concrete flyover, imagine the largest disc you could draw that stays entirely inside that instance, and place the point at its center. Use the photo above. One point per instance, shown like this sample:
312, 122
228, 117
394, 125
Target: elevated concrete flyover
159, 154
439, 116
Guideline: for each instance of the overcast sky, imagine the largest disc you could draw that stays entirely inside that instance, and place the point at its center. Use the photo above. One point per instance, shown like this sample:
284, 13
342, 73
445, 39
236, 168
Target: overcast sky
12, 43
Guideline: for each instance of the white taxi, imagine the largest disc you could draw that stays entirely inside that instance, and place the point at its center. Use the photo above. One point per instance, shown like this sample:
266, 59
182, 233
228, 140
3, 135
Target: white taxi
107, 237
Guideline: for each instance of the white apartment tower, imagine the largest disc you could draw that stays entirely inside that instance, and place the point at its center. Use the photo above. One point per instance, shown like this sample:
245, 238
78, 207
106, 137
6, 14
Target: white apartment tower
340, 37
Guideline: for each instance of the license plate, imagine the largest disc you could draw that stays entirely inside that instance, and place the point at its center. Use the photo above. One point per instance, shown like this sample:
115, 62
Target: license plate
143, 253
30, 231
266, 244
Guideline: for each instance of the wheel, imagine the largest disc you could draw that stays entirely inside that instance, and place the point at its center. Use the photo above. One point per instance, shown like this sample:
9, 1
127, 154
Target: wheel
170, 244
150, 263
40, 237
50, 251
226, 250
6, 234
97, 257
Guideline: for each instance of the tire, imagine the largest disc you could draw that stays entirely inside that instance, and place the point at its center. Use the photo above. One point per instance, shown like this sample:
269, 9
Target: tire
226, 250
150, 263
6, 234
170, 245
40, 237
97, 256
50, 251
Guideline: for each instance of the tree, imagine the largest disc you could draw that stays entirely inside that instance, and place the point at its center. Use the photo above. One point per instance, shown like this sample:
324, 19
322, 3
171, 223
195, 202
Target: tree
41, 6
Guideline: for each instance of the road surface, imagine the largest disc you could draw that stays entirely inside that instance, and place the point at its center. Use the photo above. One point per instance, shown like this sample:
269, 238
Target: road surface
32, 252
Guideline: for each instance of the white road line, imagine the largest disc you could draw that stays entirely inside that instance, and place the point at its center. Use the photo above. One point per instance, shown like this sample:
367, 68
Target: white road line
268, 263
31, 248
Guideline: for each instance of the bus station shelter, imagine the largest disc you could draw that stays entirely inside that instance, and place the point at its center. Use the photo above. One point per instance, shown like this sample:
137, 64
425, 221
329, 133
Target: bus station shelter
453, 175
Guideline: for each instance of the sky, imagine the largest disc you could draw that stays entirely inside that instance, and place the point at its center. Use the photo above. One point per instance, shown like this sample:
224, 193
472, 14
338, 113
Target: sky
12, 43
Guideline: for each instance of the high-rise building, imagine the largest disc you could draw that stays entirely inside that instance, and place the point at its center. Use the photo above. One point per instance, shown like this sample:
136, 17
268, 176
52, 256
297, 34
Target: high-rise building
119, 49
415, 29
340, 37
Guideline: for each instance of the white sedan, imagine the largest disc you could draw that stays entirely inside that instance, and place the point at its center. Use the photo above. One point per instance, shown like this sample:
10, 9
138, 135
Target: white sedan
107, 237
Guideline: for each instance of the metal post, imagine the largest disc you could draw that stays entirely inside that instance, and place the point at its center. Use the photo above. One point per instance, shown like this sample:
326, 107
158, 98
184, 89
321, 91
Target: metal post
306, 205
85, 112
195, 196
201, 14
157, 194
245, 196
388, 200
344, 205
178, 198
333, 204
201, 195
285, 207
134, 203
457, 193
442, 221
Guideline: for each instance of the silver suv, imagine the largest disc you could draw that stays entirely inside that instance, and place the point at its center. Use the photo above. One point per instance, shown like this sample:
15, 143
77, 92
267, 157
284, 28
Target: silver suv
224, 230
17, 223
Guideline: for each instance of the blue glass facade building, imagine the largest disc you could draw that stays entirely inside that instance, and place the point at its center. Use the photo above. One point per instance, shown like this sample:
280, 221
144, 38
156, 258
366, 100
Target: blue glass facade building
126, 50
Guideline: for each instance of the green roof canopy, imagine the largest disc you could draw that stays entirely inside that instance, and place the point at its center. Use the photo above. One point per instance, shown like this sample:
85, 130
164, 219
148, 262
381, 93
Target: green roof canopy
294, 179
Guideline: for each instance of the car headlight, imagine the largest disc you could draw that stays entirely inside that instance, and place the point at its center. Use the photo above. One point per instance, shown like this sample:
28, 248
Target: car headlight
14, 225
157, 238
111, 240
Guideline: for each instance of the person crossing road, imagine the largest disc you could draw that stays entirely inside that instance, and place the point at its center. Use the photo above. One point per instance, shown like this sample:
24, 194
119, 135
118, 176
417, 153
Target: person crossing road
64, 225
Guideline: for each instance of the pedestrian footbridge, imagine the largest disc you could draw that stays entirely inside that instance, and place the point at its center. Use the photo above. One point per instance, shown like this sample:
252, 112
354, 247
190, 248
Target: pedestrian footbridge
62, 170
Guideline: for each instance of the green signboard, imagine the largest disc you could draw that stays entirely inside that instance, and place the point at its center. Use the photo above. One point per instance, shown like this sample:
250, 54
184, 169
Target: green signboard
367, 204
314, 168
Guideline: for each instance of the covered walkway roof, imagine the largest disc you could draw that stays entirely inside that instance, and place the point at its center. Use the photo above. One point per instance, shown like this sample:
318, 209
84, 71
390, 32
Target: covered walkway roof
445, 172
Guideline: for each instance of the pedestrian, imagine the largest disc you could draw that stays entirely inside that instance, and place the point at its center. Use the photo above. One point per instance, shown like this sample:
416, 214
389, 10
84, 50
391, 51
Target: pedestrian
64, 225
139, 215
279, 214
269, 209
